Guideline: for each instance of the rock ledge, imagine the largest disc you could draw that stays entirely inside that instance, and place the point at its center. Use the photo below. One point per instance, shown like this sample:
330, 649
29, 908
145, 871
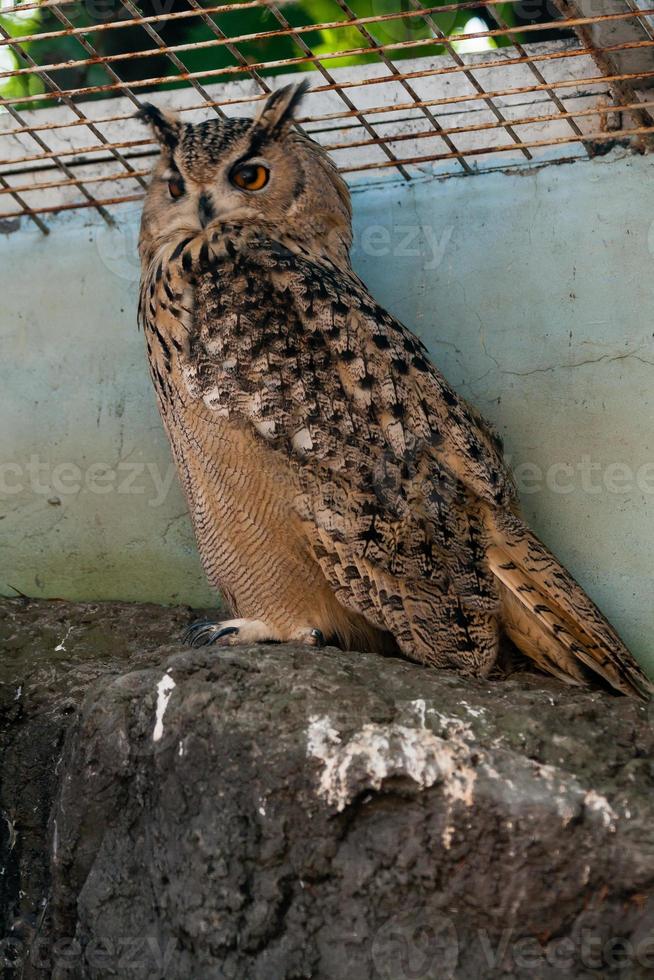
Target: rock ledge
277, 812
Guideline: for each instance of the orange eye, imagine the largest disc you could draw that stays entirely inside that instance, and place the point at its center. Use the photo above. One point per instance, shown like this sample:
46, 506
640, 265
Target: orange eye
250, 176
176, 186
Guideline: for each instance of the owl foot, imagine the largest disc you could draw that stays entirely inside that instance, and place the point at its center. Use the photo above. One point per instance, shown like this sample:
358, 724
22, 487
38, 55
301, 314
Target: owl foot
228, 633
312, 637
233, 632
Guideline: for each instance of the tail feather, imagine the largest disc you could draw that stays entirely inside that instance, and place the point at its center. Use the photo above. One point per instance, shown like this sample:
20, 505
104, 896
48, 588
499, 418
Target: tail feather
551, 619
532, 639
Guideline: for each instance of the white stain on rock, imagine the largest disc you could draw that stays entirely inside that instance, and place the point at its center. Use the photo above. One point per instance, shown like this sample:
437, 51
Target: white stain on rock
420, 708
62, 645
474, 712
378, 752
599, 804
354, 764
454, 727
164, 690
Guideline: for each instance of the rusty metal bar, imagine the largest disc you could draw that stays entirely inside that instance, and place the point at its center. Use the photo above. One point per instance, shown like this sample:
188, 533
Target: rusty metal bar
346, 145
378, 165
506, 148
371, 110
468, 73
6, 189
544, 57
312, 59
37, 139
309, 56
497, 93
230, 44
38, 5
55, 184
61, 17
439, 39
395, 72
74, 206
497, 17
603, 61
558, 55
76, 151
64, 96
170, 54
482, 127
131, 22
347, 130
260, 35
355, 83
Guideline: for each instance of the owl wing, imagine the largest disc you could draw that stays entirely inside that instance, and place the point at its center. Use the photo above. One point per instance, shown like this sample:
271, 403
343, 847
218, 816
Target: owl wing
399, 485
392, 465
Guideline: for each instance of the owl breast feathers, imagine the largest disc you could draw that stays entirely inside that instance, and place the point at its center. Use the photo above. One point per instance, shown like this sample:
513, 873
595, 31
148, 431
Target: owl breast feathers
339, 488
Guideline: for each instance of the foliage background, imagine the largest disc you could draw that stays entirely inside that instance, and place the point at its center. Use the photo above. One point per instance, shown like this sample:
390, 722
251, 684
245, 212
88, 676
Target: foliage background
233, 22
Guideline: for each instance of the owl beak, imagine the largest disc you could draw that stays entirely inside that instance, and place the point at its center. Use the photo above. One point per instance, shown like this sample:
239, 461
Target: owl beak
206, 210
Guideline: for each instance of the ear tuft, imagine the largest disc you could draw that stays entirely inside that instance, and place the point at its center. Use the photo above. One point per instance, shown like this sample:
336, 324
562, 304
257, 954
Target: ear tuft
165, 125
279, 108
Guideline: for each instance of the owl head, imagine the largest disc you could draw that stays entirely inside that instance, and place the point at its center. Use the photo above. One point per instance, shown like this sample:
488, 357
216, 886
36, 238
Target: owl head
251, 171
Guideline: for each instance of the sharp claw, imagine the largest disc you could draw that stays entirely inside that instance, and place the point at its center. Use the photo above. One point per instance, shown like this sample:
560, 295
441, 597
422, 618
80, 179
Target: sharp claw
192, 633
205, 632
317, 638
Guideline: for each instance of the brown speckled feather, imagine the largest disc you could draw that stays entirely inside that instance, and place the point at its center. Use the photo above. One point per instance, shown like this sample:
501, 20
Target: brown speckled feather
334, 477
341, 390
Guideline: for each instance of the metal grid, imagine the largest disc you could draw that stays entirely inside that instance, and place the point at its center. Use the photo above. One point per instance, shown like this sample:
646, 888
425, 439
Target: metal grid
68, 146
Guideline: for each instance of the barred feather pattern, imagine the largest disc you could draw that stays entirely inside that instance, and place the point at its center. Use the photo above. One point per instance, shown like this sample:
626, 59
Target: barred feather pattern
389, 515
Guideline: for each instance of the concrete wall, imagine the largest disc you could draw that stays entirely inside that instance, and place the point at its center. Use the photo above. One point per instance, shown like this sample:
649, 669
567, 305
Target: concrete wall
533, 290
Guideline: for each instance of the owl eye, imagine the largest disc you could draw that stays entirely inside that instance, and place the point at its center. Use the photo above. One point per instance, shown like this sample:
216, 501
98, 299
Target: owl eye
176, 186
250, 176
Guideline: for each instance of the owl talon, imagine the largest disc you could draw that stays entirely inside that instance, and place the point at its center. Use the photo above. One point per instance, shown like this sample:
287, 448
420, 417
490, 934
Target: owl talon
225, 631
205, 632
230, 632
192, 634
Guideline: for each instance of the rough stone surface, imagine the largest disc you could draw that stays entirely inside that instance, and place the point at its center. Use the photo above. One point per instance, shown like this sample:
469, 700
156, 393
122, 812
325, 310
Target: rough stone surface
274, 812
50, 655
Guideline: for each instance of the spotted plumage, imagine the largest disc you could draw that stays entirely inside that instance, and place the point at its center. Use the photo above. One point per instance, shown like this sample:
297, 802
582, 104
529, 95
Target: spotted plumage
340, 489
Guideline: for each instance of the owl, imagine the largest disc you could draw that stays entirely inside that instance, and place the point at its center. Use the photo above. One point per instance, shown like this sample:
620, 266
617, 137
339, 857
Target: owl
340, 490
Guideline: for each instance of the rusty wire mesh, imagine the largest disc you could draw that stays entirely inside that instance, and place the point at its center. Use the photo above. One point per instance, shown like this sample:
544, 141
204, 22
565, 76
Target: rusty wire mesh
399, 87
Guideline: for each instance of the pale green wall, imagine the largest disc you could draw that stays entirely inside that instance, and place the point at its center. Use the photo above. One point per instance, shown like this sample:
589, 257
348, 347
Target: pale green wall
533, 291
